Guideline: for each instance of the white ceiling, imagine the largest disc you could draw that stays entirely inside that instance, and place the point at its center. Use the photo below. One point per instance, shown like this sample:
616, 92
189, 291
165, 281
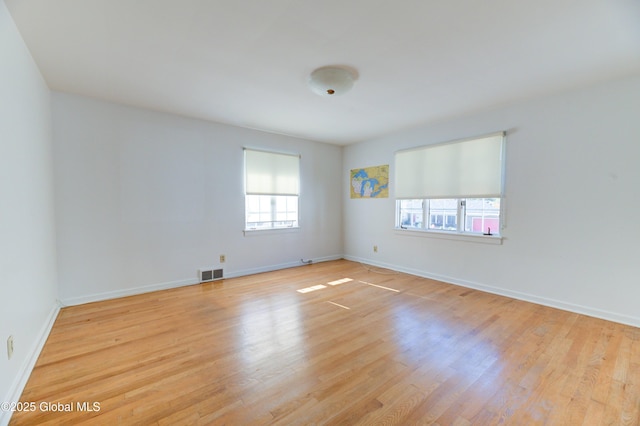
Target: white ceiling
246, 62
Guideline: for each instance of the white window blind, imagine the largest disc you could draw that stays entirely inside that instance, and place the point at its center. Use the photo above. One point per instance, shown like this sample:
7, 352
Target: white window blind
471, 168
270, 173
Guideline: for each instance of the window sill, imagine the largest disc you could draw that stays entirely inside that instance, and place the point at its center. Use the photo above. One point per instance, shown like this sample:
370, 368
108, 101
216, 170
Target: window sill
271, 231
444, 235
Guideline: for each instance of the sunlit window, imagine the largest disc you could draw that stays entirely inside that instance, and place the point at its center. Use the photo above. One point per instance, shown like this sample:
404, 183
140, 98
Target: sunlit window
271, 211
454, 187
470, 215
272, 182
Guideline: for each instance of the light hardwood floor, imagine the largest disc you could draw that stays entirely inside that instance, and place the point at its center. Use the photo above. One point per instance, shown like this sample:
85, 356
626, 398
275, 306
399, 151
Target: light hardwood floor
370, 346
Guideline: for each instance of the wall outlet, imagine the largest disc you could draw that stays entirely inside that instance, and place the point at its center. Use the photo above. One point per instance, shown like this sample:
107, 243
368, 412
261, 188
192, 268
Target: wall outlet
375, 249
223, 258
9, 347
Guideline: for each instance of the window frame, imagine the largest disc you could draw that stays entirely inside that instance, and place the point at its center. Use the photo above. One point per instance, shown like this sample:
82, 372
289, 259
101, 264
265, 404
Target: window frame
272, 192
461, 216
461, 211
273, 213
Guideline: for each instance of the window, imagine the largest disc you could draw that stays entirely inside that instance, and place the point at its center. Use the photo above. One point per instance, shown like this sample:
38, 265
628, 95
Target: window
272, 182
455, 187
271, 211
477, 215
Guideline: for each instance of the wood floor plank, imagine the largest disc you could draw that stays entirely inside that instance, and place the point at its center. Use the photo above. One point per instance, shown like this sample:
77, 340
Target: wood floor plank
335, 343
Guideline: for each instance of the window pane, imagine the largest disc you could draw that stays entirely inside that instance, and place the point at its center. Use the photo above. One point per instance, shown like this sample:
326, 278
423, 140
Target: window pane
268, 212
286, 211
443, 214
483, 215
410, 213
478, 215
450, 222
253, 203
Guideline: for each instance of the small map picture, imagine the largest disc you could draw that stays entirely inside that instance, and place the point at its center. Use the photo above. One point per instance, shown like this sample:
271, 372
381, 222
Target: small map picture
370, 182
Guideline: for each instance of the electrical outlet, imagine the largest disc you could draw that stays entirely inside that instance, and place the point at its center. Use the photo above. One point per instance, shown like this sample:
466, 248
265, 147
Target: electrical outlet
223, 258
375, 249
9, 347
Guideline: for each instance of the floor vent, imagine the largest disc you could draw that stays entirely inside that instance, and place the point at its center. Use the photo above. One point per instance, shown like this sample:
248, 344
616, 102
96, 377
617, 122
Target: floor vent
209, 275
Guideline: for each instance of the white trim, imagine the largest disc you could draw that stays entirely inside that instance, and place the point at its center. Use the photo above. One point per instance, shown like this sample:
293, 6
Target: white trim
270, 231
267, 268
270, 268
503, 183
272, 151
17, 387
98, 297
553, 303
444, 235
502, 133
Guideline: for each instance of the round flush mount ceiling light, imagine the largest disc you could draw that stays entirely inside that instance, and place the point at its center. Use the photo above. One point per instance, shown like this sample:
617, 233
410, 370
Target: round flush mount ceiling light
331, 81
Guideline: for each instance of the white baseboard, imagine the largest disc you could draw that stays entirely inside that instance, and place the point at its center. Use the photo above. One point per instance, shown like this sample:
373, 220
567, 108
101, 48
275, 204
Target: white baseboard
269, 268
566, 306
553, 303
15, 391
98, 297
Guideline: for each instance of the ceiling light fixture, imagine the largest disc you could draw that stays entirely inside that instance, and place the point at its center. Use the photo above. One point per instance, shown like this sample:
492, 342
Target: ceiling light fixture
331, 81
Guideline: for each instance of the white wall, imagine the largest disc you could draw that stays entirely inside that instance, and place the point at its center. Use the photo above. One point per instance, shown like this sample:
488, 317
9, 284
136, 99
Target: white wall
144, 199
27, 250
572, 199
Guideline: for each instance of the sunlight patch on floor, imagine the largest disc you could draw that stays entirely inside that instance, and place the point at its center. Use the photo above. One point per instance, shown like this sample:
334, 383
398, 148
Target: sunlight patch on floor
339, 305
380, 286
338, 282
313, 288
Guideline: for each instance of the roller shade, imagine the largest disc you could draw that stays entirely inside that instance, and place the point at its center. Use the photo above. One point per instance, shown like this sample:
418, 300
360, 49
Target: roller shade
471, 168
270, 173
